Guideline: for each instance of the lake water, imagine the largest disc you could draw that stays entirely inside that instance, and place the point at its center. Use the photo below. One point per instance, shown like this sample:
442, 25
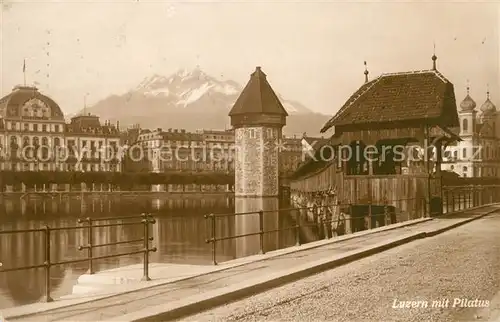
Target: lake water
179, 233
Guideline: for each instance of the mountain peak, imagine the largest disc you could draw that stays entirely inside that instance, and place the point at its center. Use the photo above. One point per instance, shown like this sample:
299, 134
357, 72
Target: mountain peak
194, 72
193, 87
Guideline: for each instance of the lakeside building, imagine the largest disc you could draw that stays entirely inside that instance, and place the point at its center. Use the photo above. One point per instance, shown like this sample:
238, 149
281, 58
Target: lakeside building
34, 136
209, 150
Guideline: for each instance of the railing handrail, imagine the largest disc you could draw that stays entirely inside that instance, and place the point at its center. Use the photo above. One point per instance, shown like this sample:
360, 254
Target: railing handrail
342, 217
88, 225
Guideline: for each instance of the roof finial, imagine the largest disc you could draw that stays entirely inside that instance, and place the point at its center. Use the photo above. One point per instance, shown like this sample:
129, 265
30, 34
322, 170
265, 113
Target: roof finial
366, 73
487, 91
468, 88
434, 58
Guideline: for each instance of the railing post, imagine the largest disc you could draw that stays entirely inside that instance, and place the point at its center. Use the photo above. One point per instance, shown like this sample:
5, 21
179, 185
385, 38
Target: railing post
370, 224
214, 240
47, 264
90, 238
261, 231
145, 262
471, 192
453, 200
323, 224
297, 228
387, 220
473, 196
448, 201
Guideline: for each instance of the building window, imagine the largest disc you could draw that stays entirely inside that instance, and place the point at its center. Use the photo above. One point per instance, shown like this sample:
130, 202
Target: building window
464, 153
35, 127
252, 133
465, 125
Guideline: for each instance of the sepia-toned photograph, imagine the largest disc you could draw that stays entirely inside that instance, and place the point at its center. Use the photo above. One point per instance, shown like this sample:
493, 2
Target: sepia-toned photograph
277, 160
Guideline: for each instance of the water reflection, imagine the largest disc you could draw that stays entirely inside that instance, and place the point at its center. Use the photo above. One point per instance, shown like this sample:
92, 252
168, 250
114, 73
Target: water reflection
179, 236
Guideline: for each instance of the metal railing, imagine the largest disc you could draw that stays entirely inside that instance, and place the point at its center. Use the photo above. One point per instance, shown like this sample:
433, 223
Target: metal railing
456, 198
453, 199
359, 220
89, 225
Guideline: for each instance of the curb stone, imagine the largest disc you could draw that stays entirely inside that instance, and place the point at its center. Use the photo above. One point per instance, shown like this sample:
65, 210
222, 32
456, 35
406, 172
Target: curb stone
185, 307
458, 224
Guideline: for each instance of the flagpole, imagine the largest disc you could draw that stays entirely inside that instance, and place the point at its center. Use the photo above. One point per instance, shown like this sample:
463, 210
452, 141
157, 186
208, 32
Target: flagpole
24, 71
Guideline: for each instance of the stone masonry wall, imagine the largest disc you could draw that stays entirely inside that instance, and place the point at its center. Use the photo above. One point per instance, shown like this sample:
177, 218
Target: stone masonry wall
257, 162
271, 162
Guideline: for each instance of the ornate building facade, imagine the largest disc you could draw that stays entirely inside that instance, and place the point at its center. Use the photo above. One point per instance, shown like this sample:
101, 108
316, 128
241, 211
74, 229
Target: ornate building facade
478, 154
35, 137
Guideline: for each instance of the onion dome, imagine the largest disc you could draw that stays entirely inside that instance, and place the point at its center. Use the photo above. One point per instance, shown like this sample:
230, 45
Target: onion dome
468, 103
488, 107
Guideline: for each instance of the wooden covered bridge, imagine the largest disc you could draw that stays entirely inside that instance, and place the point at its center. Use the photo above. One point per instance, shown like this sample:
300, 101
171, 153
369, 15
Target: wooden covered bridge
386, 149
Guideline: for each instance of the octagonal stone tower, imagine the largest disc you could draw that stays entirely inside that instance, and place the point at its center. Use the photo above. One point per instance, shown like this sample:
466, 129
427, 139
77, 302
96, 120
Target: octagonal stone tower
258, 118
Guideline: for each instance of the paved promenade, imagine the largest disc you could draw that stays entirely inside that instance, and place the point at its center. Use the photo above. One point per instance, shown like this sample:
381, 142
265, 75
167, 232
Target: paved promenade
235, 279
453, 268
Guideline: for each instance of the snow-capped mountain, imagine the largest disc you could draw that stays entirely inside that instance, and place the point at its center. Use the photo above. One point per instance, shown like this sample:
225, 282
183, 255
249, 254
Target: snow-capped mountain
189, 99
189, 86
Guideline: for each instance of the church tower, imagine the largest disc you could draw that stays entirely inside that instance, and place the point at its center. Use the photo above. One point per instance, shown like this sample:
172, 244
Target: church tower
465, 153
258, 118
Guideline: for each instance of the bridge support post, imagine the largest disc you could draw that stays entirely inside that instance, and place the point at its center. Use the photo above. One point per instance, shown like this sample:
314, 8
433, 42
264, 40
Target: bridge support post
261, 232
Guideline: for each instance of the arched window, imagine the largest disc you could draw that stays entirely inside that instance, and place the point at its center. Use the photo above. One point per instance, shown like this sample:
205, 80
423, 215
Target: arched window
26, 141
464, 169
57, 141
465, 125
36, 141
45, 141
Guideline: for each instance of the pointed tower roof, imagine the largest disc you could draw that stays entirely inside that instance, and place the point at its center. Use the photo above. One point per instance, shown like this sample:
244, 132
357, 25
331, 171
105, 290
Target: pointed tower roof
488, 107
258, 97
468, 104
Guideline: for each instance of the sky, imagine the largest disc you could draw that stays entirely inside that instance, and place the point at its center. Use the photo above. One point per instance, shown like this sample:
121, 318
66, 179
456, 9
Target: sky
311, 51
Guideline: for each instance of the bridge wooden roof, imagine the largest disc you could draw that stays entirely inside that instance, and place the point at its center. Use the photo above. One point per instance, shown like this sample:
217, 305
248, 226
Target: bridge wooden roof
408, 96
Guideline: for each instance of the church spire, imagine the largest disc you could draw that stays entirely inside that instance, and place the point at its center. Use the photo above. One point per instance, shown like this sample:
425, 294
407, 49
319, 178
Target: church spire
434, 58
366, 73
